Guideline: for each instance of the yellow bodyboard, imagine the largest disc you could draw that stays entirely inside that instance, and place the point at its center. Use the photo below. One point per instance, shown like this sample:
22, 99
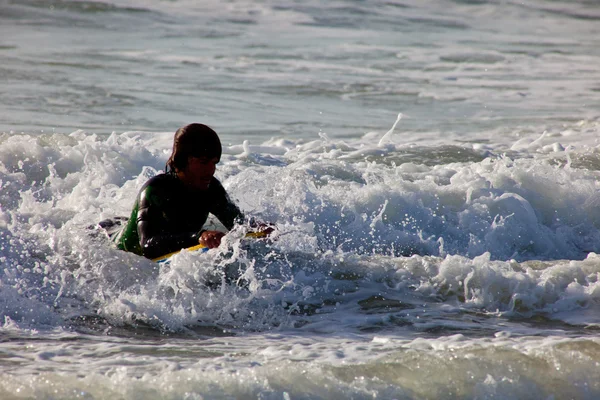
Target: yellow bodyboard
202, 246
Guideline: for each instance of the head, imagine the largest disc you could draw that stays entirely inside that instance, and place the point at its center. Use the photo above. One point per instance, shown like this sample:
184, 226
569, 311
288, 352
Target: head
196, 151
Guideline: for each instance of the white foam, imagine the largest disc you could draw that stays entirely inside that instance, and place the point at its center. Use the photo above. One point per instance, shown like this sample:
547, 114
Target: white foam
325, 194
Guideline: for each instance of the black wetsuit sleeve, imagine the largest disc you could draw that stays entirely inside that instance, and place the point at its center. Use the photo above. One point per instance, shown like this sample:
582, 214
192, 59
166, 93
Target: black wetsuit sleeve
223, 208
155, 241
156, 245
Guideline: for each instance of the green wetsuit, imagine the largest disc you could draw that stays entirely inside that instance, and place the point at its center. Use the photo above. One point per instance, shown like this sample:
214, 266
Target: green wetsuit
167, 216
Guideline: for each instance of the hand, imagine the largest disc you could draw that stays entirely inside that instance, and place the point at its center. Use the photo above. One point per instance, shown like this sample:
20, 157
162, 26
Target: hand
211, 239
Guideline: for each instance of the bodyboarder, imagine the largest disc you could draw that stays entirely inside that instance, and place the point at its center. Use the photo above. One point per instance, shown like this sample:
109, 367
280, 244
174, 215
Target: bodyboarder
172, 207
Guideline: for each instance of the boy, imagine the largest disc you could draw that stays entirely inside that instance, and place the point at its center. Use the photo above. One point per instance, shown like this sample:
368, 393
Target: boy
172, 207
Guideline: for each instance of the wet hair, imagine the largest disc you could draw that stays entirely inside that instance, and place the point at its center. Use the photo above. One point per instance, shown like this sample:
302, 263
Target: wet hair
193, 140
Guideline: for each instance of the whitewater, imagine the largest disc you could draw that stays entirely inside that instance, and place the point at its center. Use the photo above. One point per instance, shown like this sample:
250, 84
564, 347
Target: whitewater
432, 168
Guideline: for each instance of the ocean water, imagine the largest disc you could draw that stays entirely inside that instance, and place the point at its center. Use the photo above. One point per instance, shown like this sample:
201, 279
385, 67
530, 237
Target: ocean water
432, 167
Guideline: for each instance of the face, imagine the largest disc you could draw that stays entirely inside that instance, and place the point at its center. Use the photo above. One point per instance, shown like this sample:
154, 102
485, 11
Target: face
198, 172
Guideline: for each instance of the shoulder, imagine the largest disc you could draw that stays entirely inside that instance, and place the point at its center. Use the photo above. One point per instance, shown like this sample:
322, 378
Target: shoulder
215, 184
164, 179
216, 188
158, 187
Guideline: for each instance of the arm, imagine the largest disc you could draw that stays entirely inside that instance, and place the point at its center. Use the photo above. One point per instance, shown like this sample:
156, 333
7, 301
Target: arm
229, 214
223, 208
